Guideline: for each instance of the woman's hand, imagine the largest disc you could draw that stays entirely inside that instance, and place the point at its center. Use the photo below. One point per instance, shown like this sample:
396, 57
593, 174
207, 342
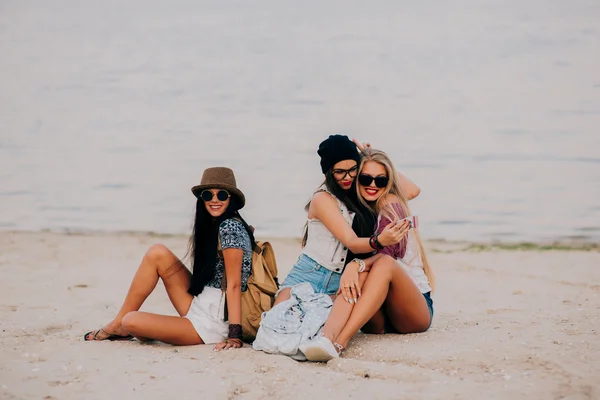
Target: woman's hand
361, 146
349, 284
394, 232
229, 344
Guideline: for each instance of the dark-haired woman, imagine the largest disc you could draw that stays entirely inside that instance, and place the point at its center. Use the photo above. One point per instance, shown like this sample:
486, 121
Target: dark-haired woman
339, 226
221, 248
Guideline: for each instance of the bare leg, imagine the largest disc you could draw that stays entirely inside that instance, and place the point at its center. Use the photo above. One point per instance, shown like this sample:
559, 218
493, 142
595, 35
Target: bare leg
405, 305
340, 312
376, 324
158, 262
167, 329
284, 295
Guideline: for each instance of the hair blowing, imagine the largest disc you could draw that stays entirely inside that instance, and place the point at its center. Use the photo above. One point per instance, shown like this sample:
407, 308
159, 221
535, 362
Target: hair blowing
393, 187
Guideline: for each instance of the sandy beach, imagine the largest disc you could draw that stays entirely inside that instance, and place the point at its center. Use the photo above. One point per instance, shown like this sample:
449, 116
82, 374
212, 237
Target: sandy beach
508, 324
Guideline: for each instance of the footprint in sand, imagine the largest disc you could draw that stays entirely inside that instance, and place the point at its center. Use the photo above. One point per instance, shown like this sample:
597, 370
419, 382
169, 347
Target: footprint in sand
78, 286
58, 383
50, 329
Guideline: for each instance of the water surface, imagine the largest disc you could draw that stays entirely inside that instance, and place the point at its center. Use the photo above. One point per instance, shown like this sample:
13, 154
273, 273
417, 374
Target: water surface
109, 111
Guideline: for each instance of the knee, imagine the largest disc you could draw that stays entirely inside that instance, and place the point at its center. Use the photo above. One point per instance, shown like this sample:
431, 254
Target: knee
162, 259
423, 325
282, 296
384, 265
157, 252
130, 321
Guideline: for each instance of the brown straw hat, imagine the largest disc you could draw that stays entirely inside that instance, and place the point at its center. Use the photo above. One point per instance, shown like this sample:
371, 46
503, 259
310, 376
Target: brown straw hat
219, 178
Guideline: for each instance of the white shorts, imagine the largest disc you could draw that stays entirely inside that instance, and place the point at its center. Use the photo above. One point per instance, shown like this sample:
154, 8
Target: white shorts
206, 313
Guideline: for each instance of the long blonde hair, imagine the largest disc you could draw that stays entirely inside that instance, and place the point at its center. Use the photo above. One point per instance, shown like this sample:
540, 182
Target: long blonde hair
381, 204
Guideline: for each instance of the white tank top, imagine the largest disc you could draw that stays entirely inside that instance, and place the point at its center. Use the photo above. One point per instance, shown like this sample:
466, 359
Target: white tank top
321, 245
413, 264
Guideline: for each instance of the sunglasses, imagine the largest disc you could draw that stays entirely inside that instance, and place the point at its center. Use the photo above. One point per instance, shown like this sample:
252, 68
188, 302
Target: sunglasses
207, 195
340, 174
366, 180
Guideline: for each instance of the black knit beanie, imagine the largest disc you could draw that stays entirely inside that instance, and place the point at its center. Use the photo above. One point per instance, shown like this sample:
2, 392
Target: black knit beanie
337, 148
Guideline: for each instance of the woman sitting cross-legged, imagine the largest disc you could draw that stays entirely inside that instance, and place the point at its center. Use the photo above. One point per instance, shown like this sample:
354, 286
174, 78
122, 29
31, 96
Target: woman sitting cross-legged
221, 248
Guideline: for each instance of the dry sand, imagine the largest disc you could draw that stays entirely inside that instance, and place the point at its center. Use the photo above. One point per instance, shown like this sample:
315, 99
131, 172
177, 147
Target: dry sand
508, 324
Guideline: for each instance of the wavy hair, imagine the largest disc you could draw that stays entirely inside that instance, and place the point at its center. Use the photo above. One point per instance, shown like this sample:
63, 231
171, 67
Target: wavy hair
381, 205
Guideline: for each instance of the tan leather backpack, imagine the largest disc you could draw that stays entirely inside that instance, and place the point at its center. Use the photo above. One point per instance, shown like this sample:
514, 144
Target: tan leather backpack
260, 293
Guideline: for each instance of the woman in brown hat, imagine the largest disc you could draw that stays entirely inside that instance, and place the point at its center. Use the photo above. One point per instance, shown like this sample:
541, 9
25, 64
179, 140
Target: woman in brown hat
220, 248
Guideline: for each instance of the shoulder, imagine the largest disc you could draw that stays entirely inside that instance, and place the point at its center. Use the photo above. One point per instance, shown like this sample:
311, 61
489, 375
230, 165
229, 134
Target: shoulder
323, 202
392, 198
233, 234
323, 197
393, 209
392, 202
231, 225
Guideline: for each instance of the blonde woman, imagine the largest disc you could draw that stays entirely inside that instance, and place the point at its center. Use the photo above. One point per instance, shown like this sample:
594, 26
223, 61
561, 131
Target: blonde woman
389, 292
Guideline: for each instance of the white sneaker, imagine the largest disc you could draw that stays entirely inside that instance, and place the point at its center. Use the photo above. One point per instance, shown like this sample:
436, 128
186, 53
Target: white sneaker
319, 349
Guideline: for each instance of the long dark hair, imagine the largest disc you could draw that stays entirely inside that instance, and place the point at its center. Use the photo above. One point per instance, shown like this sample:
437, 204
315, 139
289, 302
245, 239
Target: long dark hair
364, 219
204, 241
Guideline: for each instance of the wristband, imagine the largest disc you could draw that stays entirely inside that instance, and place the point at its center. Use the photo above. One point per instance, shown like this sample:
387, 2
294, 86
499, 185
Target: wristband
235, 331
379, 245
361, 265
372, 242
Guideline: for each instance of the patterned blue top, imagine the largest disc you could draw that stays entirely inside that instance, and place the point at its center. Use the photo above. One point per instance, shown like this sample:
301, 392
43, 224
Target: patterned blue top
233, 235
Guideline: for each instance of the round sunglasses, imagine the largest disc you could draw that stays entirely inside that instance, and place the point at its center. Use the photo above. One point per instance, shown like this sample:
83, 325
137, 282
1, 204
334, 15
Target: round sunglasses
207, 195
366, 180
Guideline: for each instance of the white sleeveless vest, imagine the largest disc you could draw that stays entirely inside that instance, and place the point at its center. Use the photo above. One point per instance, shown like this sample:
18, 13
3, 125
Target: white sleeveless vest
322, 246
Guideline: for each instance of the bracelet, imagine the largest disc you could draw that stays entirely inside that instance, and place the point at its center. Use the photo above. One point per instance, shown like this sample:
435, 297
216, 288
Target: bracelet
361, 265
235, 331
372, 242
379, 245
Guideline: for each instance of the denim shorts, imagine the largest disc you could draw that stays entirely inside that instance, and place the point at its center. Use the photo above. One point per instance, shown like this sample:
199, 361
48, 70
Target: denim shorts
308, 270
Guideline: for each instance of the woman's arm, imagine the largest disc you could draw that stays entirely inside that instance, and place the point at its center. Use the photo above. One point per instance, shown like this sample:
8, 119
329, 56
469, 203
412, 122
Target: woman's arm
410, 188
232, 239
392, 207
233, 271
350, 287
325, 208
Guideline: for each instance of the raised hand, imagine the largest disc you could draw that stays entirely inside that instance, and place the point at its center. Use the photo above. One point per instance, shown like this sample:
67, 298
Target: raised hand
361, 146
394, 232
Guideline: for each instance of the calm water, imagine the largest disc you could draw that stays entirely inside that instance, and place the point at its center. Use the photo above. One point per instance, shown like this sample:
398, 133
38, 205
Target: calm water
109, 111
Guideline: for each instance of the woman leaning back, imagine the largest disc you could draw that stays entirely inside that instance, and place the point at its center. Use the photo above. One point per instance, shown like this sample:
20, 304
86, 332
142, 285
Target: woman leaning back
198, 297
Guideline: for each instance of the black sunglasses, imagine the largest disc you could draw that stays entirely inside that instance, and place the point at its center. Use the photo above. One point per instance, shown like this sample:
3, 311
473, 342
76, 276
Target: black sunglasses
366, 180
207, 195
340, 174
